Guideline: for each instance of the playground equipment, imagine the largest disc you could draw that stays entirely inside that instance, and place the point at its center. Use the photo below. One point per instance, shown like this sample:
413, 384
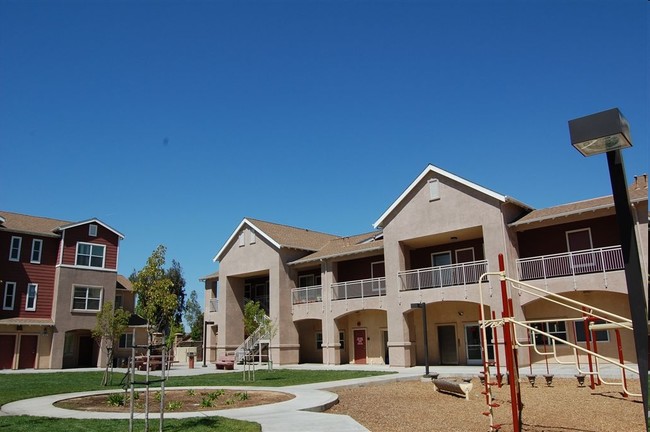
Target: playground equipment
594, 319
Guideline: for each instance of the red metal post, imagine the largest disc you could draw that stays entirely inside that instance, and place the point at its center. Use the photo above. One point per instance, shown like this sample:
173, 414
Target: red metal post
621, 359
513, 376
495, 335
585, 324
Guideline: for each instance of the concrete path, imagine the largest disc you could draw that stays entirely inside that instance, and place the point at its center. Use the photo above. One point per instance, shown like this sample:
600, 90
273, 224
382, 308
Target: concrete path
302, 413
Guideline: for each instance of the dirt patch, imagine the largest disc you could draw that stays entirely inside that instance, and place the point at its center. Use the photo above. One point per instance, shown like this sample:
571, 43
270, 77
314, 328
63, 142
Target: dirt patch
415, 406
176, 400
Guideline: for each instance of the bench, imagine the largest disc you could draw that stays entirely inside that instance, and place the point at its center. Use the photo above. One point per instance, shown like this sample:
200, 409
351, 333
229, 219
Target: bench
460, 389
155, 362
225, 362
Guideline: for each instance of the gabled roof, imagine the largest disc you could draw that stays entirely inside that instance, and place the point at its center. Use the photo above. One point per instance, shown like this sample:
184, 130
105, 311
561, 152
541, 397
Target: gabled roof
89, 221
433, 169
20, 223
214, 275
124, 283
344, 246
42, 226
280, 236
638, 192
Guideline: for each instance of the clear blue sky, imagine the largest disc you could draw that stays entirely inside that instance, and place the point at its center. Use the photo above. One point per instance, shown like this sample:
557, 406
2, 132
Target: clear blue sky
171, 121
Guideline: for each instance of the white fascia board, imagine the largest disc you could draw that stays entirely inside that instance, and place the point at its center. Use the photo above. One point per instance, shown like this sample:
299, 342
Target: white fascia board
89, 221
219, 254
429, 169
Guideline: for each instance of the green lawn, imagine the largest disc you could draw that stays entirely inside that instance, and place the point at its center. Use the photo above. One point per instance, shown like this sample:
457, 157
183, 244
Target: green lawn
24, 386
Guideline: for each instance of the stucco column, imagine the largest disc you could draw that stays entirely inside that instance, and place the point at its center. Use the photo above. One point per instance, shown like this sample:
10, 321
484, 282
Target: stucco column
230, 319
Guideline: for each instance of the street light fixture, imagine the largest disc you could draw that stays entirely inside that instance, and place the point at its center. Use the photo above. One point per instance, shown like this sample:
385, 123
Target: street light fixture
425, 334
609, 132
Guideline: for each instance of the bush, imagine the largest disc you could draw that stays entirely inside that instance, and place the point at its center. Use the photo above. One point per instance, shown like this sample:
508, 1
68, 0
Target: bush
116, 399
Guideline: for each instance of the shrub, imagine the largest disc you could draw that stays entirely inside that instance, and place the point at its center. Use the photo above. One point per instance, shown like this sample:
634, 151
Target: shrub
207, 402
174, 405
116, 399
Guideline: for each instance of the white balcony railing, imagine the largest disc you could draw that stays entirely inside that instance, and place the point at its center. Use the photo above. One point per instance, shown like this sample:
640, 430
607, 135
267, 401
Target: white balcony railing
310, 294
214, 305
571, 263
442, 276
359, 289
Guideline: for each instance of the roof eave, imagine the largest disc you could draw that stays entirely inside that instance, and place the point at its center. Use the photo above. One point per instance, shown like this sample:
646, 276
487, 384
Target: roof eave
232, 237
342, 254
93, 220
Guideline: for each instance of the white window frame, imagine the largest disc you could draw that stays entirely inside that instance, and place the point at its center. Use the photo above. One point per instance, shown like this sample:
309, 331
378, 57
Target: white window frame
242, 239
92, 230
568, 245
14, 251
319, 341
253, 238
8, 285
376, 287
546, 327
342, 340
31, 297
126, 340
463, 250
38, 250
90, 256
87, 298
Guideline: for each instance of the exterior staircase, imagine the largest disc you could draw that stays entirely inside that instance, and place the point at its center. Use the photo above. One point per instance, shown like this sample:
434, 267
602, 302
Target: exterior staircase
253, 347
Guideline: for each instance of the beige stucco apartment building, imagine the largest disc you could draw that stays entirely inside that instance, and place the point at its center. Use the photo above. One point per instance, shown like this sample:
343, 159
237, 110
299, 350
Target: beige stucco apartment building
352, 299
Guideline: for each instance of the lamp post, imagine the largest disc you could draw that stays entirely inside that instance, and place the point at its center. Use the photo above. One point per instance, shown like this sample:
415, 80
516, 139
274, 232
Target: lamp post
609, 132
423, 306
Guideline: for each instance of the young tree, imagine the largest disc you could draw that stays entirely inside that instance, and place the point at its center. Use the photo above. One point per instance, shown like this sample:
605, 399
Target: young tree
175, 274
157, 301
194, 317
109, 327
253, 316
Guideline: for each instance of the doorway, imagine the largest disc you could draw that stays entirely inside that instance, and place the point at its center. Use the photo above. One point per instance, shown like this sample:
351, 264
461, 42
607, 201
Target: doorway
447, 344
360, 346
28, 347
8, 342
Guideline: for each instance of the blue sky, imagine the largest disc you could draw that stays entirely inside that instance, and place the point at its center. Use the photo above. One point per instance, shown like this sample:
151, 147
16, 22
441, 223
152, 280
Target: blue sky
171, 121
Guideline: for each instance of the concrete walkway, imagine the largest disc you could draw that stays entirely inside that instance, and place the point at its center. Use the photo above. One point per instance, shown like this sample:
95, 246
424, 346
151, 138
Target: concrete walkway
302, 413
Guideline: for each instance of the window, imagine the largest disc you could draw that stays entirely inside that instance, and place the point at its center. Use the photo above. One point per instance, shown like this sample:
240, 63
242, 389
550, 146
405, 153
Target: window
434, 190
86, 299
305, 281
90, 255
119, 301
253, 238
126, 340
342, 340
579, 242
14, 249
601, 335
92, 230
30, 302
242, 239
554, 328
68, 344
319, 340
37, 249
10, 296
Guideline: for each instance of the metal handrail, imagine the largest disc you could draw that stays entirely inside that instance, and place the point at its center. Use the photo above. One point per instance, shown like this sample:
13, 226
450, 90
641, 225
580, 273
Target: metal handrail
571, 263
252, 340
361, 288
442, 276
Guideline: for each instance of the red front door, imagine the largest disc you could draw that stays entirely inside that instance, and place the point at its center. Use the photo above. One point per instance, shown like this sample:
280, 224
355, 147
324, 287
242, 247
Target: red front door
7, 346
360, 346
28, 346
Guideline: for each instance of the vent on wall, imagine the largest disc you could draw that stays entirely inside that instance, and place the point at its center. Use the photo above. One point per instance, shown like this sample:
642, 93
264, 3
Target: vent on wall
434, 190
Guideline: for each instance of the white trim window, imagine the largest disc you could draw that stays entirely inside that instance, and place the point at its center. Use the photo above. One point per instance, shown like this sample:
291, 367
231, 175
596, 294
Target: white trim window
601, 335
14, 248
90, 255
319, 340
87, 298
30, 300
37, 251
10, 296
92, 230
126, 340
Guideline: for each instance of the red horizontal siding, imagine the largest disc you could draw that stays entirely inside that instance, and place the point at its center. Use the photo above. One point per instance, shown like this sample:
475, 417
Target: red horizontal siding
80, 234
23, 273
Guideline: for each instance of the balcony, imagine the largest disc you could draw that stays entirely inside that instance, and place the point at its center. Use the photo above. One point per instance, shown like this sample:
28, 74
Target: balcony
214, 305
359, 289
600, 260
442, 276
310, 294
